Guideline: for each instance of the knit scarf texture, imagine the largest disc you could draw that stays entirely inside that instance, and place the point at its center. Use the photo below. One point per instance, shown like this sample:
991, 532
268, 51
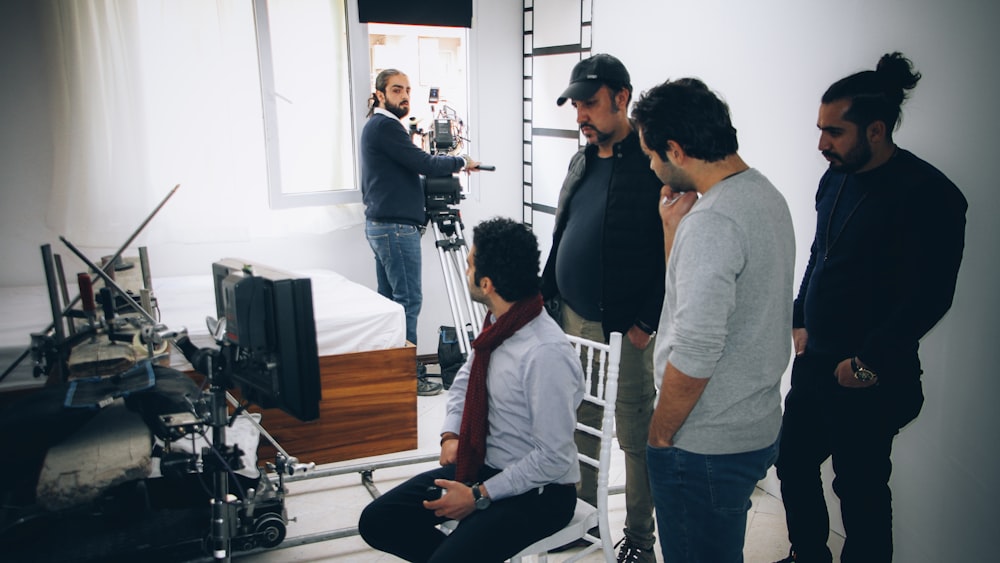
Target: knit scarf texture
472, 435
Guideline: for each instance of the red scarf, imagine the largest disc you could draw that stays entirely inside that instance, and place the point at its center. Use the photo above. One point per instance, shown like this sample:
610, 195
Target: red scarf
472, 435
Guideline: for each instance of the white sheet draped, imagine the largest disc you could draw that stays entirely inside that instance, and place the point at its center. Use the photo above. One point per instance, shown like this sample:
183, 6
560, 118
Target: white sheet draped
149, 94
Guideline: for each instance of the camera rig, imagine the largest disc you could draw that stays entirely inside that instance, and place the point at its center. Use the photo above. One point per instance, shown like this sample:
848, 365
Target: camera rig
256, 517
442, 195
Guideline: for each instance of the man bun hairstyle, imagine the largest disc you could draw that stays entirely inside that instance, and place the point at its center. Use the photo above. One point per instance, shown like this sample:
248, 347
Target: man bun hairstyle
687, 112
507, 253
876, 95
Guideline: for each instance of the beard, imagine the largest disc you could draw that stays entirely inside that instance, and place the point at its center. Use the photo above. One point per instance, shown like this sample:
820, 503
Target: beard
678, 180
477, 295
601, 136
398, 110
856, 158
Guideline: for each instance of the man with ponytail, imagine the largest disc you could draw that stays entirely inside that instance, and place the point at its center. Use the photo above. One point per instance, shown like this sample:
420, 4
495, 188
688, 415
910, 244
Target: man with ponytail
393, 194
890, 233
509, 463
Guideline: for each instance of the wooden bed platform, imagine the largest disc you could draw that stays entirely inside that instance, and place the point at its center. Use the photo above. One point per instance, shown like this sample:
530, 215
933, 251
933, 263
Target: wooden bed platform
369, 407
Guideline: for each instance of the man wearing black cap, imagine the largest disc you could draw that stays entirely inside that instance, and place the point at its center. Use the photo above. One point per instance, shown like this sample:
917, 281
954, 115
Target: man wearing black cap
606, 271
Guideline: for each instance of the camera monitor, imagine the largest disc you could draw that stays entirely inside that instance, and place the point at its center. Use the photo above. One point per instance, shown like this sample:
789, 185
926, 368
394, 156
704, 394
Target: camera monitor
270, 336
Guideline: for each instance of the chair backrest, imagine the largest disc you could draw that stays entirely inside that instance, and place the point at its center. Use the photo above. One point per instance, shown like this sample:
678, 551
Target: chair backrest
600, 368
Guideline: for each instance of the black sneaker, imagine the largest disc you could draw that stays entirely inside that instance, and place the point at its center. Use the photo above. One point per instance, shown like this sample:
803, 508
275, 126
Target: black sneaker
631, 553
789, 559
426, 388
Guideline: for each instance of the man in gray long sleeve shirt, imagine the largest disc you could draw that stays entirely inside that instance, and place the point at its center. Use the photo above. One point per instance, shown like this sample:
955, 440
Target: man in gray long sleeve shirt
724, 341
532, 382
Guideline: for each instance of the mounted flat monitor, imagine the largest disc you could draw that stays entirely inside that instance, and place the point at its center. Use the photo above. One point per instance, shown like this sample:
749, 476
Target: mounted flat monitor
270, 335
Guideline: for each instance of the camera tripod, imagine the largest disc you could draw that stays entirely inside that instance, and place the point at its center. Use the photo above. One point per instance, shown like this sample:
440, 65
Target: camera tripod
453, 252
441, 197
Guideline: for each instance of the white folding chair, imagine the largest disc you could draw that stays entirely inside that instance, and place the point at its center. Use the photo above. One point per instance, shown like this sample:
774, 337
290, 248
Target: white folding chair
606, 358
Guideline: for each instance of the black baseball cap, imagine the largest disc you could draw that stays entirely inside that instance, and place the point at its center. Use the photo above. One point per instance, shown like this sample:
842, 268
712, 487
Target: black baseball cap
590, 74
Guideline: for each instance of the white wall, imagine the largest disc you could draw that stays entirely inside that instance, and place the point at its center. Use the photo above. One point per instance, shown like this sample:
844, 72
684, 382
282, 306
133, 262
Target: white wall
772, 60
26, 156
495, 125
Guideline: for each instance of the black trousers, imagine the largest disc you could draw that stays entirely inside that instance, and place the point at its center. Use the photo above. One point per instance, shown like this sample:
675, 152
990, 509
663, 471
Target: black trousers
856, 428
397, 522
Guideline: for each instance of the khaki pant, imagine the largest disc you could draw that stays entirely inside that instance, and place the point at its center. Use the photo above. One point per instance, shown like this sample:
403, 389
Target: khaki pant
633, 410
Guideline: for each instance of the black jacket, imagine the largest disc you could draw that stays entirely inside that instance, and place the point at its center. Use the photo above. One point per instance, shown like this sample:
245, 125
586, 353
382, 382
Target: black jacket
631, 253
876, 284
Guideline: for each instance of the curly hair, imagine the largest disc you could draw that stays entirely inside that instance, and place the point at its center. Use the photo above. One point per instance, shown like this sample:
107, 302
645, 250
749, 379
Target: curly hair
876, 95
507, 252
687, 112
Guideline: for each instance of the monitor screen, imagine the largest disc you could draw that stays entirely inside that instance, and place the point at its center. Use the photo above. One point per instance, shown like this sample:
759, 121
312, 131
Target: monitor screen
270, 335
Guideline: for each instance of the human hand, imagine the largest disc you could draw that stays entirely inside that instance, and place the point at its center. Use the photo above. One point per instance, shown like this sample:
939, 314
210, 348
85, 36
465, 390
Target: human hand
639, 338
675, 205
658, 438
470, 165
799, 340
449, 452
456, 501
845, 376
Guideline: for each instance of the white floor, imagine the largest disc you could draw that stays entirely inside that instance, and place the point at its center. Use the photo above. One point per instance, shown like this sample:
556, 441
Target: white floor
334, 503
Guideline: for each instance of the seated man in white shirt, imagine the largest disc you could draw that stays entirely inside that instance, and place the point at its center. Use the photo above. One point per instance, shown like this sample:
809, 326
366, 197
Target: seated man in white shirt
509, 463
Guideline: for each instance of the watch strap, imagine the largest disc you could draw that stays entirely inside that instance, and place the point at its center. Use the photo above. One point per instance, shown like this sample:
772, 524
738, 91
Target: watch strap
480, 501
862, 374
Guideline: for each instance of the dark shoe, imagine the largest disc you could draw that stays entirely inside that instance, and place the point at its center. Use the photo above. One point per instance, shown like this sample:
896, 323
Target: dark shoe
789, 559
631, 553
426, 388
579, 542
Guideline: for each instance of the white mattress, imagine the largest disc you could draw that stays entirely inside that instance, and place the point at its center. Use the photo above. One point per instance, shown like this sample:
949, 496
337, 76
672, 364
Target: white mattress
349, 316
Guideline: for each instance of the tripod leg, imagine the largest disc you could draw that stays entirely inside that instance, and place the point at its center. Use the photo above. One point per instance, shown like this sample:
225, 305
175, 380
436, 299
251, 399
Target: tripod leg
443, 244
467, 314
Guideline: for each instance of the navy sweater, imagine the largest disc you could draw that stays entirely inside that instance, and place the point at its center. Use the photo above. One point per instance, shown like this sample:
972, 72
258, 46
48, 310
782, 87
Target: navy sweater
391, 166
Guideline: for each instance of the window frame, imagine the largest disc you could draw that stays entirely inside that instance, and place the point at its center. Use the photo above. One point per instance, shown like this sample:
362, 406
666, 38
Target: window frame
358, 64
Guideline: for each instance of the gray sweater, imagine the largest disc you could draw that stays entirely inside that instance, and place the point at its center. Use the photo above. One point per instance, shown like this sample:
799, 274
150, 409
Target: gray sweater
727, 313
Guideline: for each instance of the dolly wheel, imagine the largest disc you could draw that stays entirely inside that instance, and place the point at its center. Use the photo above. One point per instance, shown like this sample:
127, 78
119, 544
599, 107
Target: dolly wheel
270, 531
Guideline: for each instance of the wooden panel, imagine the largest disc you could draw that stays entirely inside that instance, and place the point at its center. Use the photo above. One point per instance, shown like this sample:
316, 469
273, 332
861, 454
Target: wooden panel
369, 407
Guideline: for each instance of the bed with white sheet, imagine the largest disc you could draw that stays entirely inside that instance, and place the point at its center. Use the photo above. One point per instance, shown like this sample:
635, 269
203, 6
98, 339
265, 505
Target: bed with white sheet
349, 316
366, 366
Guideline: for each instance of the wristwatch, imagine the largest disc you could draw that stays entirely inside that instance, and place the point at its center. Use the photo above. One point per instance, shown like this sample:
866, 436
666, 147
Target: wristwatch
862, 374
482, 502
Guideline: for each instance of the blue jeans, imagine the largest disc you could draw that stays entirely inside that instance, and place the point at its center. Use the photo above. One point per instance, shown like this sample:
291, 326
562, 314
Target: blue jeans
702, 501
397, 267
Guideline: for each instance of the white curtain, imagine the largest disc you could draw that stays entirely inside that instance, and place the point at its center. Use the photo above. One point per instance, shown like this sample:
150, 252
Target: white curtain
153, 93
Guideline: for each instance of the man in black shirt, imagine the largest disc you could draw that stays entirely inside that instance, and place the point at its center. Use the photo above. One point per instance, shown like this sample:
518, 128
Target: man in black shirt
890, 233
606, 267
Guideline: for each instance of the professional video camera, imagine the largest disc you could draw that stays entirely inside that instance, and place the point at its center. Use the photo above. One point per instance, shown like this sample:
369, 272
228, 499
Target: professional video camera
445, 137
442, 194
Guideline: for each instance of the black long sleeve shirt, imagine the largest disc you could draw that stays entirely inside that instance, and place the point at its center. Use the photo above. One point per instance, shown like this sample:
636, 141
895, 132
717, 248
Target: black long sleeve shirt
883, 265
